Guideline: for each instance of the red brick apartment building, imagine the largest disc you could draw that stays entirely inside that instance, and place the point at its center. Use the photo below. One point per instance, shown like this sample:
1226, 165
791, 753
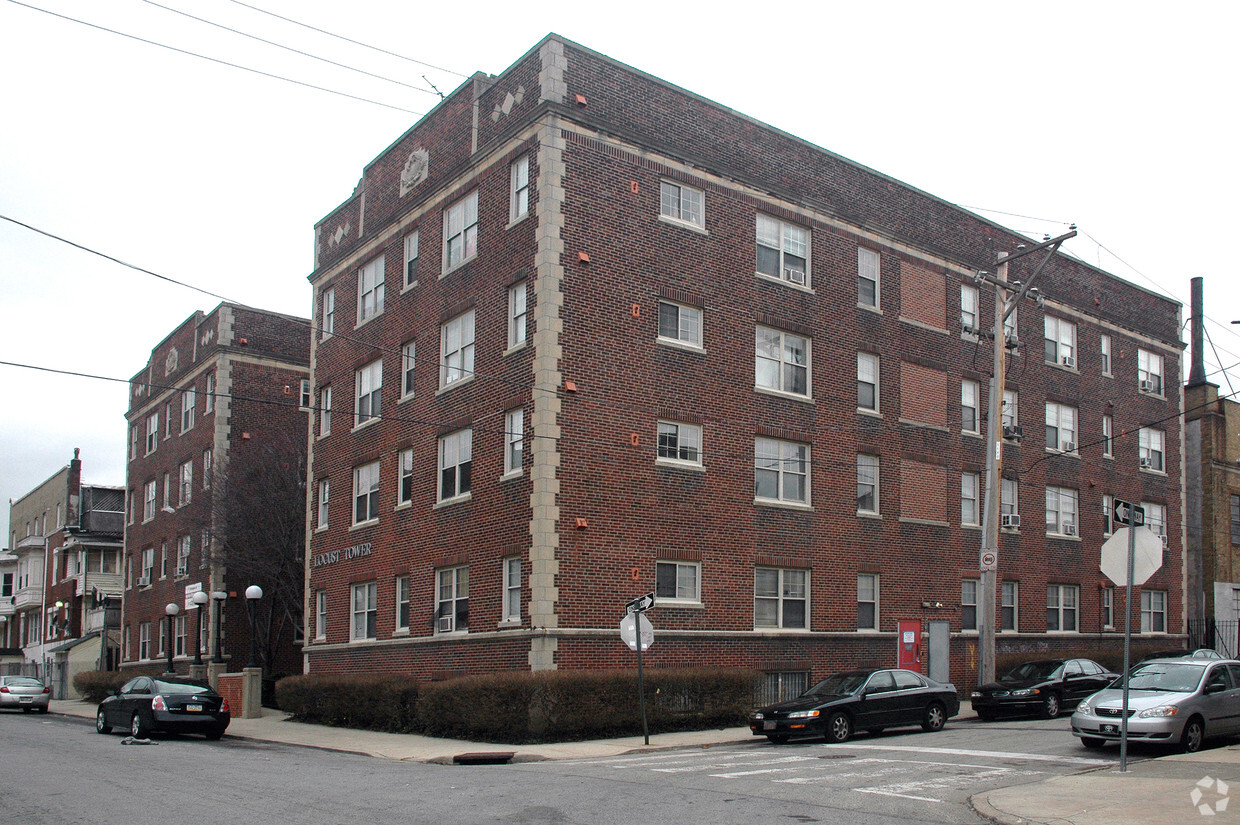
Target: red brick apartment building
223, 398
693, 355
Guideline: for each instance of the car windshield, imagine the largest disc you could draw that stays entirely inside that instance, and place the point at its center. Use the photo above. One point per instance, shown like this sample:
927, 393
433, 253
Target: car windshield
24, 681
1031, 671
181, 687
839, 684
1179, 678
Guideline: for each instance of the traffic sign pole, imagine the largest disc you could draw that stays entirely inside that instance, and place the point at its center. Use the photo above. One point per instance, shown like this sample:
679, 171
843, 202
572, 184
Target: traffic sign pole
1132, 554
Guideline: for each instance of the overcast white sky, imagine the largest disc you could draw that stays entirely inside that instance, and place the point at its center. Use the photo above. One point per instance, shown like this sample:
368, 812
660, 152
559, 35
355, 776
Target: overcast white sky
1119, 116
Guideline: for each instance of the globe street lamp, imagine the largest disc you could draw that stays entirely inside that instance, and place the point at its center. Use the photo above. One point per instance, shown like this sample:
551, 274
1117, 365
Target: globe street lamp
200, 600
172, 609
219, 597
252, 594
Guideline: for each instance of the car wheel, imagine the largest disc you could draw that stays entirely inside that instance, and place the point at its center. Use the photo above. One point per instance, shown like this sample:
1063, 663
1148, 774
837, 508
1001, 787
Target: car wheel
1050, 706
101, 723
1194, 734
138, 728
43, 709
1092, 743
778, 739
839, 727
935, 718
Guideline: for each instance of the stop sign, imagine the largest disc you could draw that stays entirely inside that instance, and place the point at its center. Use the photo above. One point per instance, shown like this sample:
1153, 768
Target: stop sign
1147, 556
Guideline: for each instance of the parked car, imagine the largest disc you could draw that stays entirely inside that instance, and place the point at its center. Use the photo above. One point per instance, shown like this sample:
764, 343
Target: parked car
869, 700
24, 692
147, 704
1043, 688
1180, 653
1182, 701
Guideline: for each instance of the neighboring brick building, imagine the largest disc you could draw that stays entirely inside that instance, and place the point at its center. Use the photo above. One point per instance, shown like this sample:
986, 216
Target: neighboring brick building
689, 353
217, 405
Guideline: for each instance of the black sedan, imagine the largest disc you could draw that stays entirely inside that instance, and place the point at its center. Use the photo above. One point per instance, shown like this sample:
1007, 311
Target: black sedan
869, 700
147, 704
1042, 688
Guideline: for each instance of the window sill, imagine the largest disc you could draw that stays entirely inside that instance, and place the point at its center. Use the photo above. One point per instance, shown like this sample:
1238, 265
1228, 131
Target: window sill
1053, 451
409, 286
518, 219
792, 396
870, 515
400, 631
405, 398
511, 475
913, 323
868, 412
867, 630
1062, 368
1063, 536
457, 266
762, 276
690, 225
402, 505
374, 419
369, 641
869, 308
361, 322
448, 502
673, 464
362, 525
964, 526
506, 624
1155, 395
323, 435
685, 603
782, 505
678, 344
322, 528
1150, 471
517, 347
458, 382
971, 433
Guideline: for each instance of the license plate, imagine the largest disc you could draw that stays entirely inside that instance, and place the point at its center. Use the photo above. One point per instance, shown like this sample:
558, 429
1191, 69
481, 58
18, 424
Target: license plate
1110, 728
194, 708
26, 699
768, 726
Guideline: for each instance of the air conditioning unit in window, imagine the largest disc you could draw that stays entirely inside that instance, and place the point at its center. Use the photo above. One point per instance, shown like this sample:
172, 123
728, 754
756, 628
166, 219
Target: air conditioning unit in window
144, 581
1147, 386
1146, 464
1068, 361
1010, 339
1010, 520
968, 329
1069, 529
796, 276
1068, 446
1013, 432
1164, 541
445, 624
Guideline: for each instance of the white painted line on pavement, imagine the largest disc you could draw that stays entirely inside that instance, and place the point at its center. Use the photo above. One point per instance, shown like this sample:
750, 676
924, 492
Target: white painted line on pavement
1030, 757
902, 795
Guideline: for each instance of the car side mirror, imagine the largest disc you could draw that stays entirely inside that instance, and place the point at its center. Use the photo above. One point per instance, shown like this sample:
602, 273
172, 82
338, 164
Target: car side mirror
1215, 687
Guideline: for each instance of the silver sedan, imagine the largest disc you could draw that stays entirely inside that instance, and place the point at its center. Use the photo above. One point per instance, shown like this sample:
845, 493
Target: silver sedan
24, 692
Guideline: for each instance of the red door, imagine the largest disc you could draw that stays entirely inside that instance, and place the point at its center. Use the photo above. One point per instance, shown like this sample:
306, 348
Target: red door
909, 641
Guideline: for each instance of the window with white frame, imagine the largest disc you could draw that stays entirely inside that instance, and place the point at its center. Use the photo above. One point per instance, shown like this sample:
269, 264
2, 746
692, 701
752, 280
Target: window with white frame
148, 501
306, 400
1009, 328
781, 361
680, 323
363, 619
189, 404
678, 581
1104, 349
186, 487
970, 314
152, 432
325, 411
1010, 409
404, 487
208, 467
679, 442
411, 259
867, 381
148, 566
968, 605
180, 638
520, 189
969, 483
402, 603
1150, 449
1149, 372
366, 492
514, 440
970, 420
512, 589
867, 601
456, 350
325, 497
1060, 342
167, 491
183, 547
518, 314
682, 203
783, 250
368, 393
408, 367
133, 442
320, 614
1108, 608
452, 600
1155, 518
455, 463
1008, 592
1060, 427
780, 598
370, 290
1153, 611
168, 420
328, 325
1108, 437
208, 400
1009, 501
1108, 514
867, 484
1061, 511
781, 471
460, 231
144, 640
1061, 605
868, 268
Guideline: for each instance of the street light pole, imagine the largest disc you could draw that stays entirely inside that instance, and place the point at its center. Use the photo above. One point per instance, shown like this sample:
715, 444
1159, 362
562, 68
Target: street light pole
219, 597
172, 609
252, 594
200, 600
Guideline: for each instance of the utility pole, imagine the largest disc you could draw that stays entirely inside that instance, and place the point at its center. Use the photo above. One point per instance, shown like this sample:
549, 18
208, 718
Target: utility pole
1007, 296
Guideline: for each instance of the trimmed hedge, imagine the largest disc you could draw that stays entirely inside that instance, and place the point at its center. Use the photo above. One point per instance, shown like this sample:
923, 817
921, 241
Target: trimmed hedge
525, 707
96, 685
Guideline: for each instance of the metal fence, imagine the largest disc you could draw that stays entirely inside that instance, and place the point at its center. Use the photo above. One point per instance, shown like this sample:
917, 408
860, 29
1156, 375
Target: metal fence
776, 687
1221, 636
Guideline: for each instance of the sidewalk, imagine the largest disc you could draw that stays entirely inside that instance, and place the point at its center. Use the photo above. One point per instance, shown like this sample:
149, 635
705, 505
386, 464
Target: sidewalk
1152, 792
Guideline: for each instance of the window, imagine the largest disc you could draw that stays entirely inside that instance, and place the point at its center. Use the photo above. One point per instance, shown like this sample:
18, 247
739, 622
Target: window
1108, 437
1149, 372
325, 495
682, 203
1061, 601
1235, 519
148, 501
512, 589
208, 468
189, 403
186, 487
968, 499
680, 323
781, 471
518, 314
1156, 519
1061, 511
163, 561
148, 566
1104, 348
411, 259
1060, 427
167, 491
404, 489
1008, 500
1009, 329
867, 381
366, 492
867, 484
144, 640
452, 600
680, 442
781, 361
780, 598
1150, 449
208, 400
183, 545
969, 418
325, 411
306, 399
456, 349
783, 250
520, 202
460, 231
365, 611
320, 614
1009, 410
970, 316
370, 290
968, 604
1060, 342
402, 603
1108, 608
678, 581
1108, 505
867, 601
514, 440
455, 460
369, 384
328, 325
168, 420
1008, 592
1153, 611
408, 365
152, 432
867, 277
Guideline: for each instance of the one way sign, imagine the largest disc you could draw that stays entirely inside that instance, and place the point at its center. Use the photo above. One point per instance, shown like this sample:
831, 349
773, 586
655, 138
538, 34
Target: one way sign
640, 604
1127, 513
